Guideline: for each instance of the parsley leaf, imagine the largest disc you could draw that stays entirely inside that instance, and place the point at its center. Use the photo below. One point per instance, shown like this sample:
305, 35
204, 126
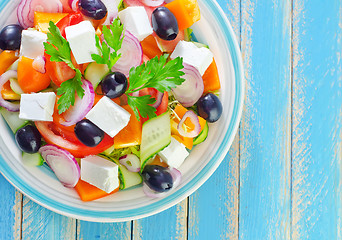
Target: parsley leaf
156, 73
59, 50
113, 37
141, 105
67, 91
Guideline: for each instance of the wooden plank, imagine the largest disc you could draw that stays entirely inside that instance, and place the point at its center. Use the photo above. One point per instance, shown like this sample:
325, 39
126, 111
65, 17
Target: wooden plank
317, 119
265, 136
169, 224
113, 231
40, 223
213, 208
10, 211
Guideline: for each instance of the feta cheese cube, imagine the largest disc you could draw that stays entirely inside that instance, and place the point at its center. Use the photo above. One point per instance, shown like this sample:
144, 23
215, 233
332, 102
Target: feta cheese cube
100, 173
200, 58
37, 106
81, 38
174, 154
32, 43
135, 20
109, 116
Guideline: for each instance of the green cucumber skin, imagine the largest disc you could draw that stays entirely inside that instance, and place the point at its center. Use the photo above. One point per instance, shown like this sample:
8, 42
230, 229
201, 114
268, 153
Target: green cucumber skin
34, 159
12, 119
203, 135
128, 179
163, 140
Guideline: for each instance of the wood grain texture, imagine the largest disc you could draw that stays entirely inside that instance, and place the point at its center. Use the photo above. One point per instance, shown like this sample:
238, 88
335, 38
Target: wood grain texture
167, 225
265, 136
213, 208
38, 223
317, 118
103, 231
10, 211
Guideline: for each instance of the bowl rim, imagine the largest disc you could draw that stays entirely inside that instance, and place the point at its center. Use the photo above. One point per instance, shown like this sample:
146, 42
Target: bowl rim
180, 194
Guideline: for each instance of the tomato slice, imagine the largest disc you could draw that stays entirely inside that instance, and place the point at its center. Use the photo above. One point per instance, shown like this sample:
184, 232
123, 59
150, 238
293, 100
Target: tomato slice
59, 72
153, 92
67, 140
70, 19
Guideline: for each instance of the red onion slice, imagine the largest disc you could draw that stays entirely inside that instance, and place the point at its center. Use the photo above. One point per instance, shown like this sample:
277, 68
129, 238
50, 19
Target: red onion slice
131, 162
38, 64
159, 99
176, 176
191, 89
62, 163
152, 3
10, 106
26, 9
194, 119
73, 4
82, 106
131, 54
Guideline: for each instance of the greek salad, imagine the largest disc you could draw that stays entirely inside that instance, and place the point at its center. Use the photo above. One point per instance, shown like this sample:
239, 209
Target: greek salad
109, 94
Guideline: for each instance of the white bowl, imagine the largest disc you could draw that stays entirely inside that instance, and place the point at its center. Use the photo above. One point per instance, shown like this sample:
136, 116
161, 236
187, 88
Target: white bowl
41, 185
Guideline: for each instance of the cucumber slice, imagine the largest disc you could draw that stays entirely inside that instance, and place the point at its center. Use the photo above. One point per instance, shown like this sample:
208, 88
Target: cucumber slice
13, 120
200, 45
15, 86
156, 135
108, 151
203, 135
188, 34
14, 65
95, 72
127, 179
34, 159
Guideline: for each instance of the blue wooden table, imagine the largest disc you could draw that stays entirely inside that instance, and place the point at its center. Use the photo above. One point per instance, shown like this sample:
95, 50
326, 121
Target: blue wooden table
282, 178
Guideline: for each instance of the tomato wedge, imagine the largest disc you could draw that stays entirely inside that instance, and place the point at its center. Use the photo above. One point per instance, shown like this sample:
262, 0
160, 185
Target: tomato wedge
67, 140
70, 19
59, 72
153, 92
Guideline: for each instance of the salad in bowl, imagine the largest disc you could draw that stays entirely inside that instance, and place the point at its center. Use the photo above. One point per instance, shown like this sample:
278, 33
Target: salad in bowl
107, 101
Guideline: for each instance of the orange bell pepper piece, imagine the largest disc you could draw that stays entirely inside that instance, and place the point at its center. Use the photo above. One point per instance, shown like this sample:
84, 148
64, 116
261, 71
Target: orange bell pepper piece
187, 12
7, 92
42, 19
150, 47
88, 192
7, 58
29, 79
131, 134
211, 80
180, 111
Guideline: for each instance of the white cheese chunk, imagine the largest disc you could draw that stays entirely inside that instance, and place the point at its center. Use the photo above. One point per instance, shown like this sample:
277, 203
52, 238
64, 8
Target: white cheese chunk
81, 38
100, 173
32, 43
174, 154
200, 58
109, 116
135, 20
37, 106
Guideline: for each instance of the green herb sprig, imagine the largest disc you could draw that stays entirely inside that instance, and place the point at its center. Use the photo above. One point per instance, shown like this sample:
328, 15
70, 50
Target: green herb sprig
156, 73
113, 37
59, 50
